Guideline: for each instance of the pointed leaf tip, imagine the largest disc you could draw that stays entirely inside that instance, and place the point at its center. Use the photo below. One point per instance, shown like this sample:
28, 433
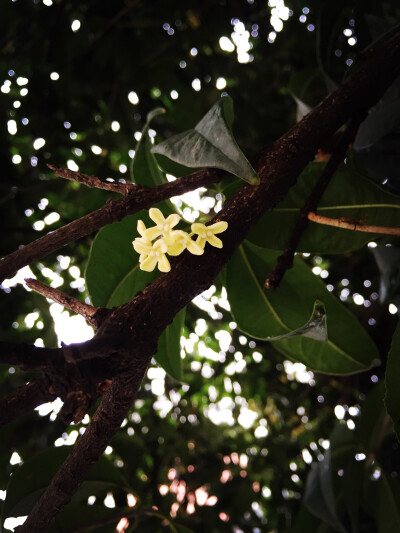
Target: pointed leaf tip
210, 144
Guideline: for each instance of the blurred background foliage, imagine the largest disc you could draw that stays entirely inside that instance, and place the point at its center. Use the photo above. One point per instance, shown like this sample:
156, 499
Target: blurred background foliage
229, 448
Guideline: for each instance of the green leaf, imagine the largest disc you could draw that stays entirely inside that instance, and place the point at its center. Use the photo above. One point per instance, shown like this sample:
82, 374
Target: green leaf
305, 521
392, 380
381, 120
34, 475
319, 497
113, 277
354, 474
144, 169
388, 260
349, 194
169, 347
210, 144
262, 313
112, 274
315, 327
388, 515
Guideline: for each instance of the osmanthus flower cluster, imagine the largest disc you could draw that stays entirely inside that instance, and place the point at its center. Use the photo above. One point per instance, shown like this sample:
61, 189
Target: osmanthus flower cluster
154, 243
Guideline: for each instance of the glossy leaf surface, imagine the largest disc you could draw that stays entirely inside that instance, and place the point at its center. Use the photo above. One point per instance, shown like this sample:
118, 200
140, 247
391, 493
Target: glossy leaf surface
262, 313
348, 195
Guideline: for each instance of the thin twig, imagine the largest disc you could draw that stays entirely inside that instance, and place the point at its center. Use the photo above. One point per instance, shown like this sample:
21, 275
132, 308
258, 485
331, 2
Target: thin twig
92, 181
113, 211
87, 311
285, 260
357, 225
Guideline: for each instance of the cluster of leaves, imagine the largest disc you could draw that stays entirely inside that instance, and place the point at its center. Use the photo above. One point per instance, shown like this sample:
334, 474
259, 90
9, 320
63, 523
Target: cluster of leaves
258, 481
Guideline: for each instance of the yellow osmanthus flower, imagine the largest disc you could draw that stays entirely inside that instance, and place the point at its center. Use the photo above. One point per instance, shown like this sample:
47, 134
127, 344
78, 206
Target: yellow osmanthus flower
182, 241
163, 227
154, 243
152, 255
207, 233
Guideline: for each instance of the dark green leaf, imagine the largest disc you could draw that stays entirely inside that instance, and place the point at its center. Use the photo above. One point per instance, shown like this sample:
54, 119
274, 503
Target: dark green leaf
388, 261
210, 144
349, 194
352, 481
319, 497
169, 347
392, 380
383, 158
371, 425
32, 477
315, 328
305, 521
388, 516
261, 313
144, 168
383, 119
113, 275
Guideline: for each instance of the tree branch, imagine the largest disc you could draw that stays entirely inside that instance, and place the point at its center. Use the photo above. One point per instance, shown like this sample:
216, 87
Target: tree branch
93, 315
26, 356
24, 399
357, 225
113, 211
149, 312
105, 423
92, 181
285, 260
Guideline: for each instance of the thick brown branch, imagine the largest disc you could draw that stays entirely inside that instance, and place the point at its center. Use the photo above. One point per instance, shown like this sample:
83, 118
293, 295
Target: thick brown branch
26, 356
145, 317
92, 181
89, 313
105, 423
345, 223
113, 211
24, 399
285, 260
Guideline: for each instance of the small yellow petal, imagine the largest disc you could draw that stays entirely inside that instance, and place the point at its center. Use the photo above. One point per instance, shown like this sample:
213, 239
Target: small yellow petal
201, 242
160, 246
176, 249
149, 264
151, 233
156, 216
141, 247
172, 220
218, 227
141, 227
163, 264
198, 228
214, 241
194, 248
